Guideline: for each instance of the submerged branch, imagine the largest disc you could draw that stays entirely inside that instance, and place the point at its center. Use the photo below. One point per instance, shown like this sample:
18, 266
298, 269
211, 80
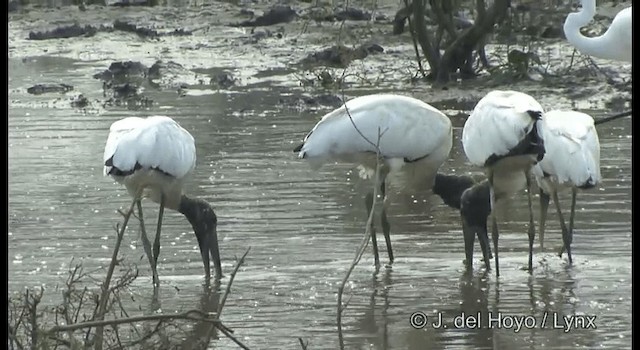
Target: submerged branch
367, 234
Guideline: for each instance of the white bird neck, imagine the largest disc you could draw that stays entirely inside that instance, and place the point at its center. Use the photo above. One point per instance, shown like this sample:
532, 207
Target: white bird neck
576, 20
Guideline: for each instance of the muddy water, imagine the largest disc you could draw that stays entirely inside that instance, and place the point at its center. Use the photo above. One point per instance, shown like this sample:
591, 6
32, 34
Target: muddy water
303, 226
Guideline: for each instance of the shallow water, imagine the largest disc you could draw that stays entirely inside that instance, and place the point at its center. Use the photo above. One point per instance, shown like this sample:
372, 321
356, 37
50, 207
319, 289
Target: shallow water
304, 226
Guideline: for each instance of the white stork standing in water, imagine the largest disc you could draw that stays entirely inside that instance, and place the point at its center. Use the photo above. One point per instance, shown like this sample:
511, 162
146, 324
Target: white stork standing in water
414, 140
614, 44
152, 157
572, 160
501, 135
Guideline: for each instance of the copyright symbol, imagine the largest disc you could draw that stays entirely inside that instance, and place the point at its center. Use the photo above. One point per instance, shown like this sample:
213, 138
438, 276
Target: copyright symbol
418, 320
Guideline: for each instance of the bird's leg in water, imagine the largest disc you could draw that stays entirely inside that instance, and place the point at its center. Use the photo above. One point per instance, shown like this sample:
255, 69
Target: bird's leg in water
146, 244
469, 238
385, 223
532, 228
544, 207
156, 242
483, 238
494, 222
567, 234
368, 202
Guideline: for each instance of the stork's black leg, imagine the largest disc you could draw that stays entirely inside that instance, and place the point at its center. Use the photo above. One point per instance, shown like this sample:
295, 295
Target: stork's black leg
532, 228
368, 202
469, 238
494, 224
156, 242
146, 244
544, 207
483, 238
385, 223
571, 217
566, 234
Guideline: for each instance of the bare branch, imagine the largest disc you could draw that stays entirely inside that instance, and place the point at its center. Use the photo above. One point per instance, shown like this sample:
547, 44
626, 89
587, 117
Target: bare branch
303, 345
233, 275
105, 286
195, 315
368, 228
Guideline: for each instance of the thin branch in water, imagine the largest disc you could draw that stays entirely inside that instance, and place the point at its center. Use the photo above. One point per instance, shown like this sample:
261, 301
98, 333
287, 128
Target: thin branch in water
303, 345
233, 275
234, 339
195, 315
105, 286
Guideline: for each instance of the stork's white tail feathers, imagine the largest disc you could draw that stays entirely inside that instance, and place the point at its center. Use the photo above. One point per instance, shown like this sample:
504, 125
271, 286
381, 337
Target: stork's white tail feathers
573, 149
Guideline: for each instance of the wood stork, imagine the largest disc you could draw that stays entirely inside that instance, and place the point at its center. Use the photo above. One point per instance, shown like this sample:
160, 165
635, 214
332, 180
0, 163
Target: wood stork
614, 44
414, 140
501, 135
572, 160
152, 157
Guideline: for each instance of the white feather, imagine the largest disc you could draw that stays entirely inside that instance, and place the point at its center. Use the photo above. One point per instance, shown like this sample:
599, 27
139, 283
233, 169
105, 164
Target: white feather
497, 124
153, 142
403, 127
572, 155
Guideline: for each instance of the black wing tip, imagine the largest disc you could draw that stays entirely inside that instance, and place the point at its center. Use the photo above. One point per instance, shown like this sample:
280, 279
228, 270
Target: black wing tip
298, 148
535, 115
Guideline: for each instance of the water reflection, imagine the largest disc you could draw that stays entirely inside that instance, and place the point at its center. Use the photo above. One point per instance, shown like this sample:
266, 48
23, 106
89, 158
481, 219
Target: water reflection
303, 227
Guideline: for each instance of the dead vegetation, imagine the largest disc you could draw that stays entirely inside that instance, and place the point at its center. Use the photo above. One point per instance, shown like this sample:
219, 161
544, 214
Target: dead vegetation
96, 314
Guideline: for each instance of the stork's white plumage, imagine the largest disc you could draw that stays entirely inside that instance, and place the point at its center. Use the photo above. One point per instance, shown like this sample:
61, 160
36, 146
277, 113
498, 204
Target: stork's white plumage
501, 135
146, 150
498, 123
572, 160
153, 142
152, 157
413, 137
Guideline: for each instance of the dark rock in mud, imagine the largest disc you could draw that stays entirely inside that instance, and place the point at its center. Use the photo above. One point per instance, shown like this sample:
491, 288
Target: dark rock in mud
126, 3
223, 80
328, 100
123, 70
133, 103
123, 91
79, 101
258, 34
133, 28
169, 75
276, 15
157, 69
127, 26
307, 101
39, 89
353, 14
126, 94
340, 56
64, 32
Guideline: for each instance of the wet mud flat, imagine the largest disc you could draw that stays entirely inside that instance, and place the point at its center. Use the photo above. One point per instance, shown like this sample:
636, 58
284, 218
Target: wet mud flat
304, 50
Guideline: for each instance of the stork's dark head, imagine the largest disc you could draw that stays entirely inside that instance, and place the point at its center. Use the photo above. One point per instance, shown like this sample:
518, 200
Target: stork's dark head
475, 207
451, 187
204, 222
